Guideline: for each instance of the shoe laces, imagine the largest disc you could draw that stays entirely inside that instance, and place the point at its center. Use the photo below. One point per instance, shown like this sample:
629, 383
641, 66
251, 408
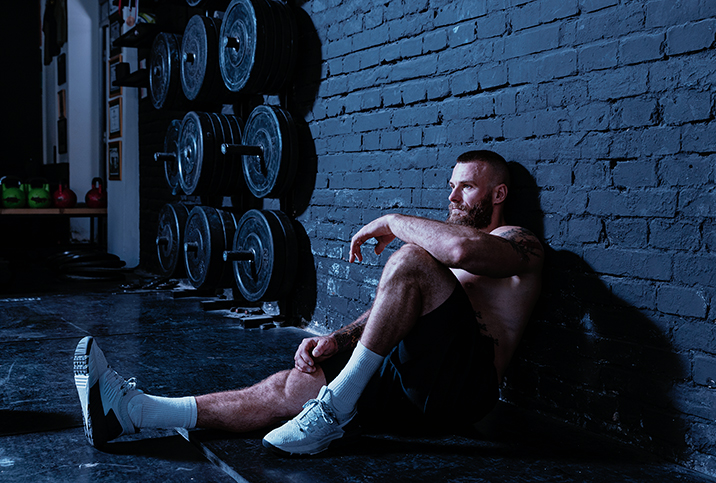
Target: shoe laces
129, 385
317, 409
125, 385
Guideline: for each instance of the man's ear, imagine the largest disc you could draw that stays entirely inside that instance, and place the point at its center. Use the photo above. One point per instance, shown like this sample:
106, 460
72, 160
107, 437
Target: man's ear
499, 194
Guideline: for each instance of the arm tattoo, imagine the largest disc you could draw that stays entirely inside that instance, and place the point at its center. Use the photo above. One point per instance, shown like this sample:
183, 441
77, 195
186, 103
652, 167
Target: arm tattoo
523, 242
347, 337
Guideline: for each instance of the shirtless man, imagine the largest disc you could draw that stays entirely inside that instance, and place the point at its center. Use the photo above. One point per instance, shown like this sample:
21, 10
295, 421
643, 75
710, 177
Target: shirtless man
450, 309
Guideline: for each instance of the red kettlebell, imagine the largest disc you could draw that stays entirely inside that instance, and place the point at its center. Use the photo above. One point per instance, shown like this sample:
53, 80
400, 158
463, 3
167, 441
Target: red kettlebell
64, 197
96, 197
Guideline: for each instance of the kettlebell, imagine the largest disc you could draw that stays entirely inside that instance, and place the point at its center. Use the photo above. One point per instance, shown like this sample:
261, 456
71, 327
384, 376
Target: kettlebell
38, 193
13, 192
64, 197
96, 197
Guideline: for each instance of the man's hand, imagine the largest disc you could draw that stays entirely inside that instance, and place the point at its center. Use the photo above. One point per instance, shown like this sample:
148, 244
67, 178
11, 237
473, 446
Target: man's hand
378, 229
312, 350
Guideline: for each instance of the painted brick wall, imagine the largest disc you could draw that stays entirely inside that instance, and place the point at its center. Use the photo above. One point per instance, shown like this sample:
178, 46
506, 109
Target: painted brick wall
606, 110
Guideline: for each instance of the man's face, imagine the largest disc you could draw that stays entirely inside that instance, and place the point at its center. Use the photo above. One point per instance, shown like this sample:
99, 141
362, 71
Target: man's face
471, 195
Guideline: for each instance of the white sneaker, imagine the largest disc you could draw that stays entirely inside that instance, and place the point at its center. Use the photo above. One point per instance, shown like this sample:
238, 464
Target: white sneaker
103, 393
312, 430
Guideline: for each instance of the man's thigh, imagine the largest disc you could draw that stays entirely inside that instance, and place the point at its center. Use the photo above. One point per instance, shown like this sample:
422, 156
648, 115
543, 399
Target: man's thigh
441, 374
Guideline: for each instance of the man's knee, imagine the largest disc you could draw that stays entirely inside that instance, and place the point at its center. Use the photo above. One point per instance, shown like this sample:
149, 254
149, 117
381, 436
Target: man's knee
412, 268
300, 386
412, 261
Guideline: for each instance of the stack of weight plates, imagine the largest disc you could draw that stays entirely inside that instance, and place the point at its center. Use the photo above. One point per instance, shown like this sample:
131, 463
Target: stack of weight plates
257, 46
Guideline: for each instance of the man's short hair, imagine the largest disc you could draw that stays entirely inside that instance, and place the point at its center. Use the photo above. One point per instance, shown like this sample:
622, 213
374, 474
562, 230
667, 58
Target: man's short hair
497, 164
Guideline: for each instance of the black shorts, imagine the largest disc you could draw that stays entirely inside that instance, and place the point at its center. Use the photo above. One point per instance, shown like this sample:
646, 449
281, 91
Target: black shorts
441, 375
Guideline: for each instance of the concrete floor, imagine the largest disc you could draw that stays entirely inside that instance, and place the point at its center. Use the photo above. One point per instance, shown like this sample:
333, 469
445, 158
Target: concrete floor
174, 347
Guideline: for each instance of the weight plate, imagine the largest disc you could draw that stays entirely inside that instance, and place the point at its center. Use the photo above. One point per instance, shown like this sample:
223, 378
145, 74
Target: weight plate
96, 275
242, 49
289, 162
165, 72
253, 235
266, 175
274, 42
287, 251
208, 4
266, 236
282, 34
228, 224
171, 167
232, 164
81, 255
195, 153
69, 267
170, 238
218, 180
205, 243
288, 47
199, 56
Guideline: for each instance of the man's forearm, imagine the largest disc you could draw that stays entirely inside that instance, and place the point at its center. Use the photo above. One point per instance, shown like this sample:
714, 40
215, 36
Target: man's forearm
438, 238
347, 337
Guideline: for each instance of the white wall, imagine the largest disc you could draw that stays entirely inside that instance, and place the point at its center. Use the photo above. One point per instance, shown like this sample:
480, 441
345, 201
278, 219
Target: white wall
123, 195
83, 96
86, 96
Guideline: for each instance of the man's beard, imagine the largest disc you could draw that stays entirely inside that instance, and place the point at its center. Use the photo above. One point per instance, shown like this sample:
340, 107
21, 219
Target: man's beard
479, 216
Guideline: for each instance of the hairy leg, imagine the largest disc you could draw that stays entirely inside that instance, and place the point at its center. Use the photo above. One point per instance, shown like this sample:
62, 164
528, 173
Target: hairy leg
278, 397
413, 283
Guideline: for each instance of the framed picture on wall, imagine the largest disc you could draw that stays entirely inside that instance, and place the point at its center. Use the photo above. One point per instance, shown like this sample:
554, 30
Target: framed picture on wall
115, 118
115, 31
114, 160
61, 69
62, 135
114, 91
61, 104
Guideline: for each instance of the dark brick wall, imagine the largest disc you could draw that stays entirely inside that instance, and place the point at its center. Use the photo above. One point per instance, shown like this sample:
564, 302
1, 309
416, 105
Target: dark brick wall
606, 109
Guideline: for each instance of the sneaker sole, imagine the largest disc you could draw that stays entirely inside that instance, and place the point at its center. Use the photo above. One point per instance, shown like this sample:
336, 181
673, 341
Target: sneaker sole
99, 428
347, 436
282, 452
81, 371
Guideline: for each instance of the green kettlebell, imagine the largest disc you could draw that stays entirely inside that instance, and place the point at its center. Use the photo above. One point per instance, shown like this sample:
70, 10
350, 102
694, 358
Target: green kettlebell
13, 192
38, 193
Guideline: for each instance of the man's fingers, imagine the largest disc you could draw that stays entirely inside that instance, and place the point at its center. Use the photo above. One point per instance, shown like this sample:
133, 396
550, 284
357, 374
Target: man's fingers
355, 250
380, 246
321, 348
304, 365
303, 359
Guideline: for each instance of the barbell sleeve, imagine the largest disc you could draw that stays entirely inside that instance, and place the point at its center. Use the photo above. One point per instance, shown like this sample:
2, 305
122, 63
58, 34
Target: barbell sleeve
165, 157
162, 241
232, 42
191, 247
242, 149
238, 256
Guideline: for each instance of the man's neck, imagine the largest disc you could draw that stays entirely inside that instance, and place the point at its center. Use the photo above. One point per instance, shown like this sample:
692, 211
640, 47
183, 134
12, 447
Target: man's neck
497, 221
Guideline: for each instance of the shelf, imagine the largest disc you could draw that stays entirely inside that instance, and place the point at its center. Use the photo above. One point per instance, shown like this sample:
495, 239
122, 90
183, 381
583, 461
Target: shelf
138, 78
79, 211
141, 35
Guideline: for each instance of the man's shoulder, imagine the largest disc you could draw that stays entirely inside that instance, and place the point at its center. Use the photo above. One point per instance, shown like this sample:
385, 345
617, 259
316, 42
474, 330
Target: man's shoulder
516, 233
522, 240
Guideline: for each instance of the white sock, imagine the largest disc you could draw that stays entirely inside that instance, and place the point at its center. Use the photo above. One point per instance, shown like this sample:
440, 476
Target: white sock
147, 411
350, 382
